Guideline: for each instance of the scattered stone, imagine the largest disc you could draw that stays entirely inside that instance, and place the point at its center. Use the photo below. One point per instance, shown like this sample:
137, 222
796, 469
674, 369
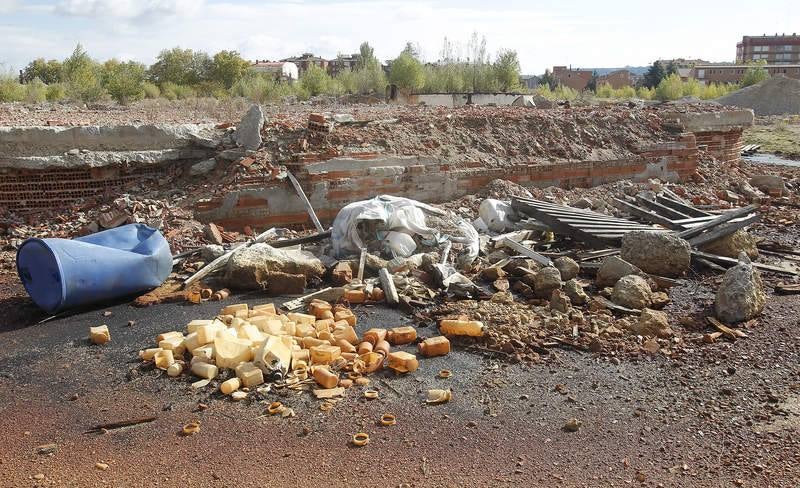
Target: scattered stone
248, 132
770, 184
575, 292
659, 300
652, 323
255, 266
341, 274
632, 291
651, 346
733, 244
546, 280
203, 167
658, 253
559, 301
46, 449
213, 234
573, 425
38, 476
211, 252
612, 269
741, 294
568, 267
101, 466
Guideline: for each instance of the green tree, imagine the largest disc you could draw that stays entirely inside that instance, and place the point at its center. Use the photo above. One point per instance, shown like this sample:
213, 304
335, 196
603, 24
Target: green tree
228, 67
124, 81
82, 77
755, 74
654, 75
507, 70
672, 68
367, 56
670, 88
412, 50
181, 67
548, 79
592, 84
315, 80
47, 71
407, 72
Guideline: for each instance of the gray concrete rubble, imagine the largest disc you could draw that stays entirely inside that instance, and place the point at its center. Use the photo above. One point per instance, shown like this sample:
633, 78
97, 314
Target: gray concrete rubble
658, 253
98, 146
261, 266
741, 294
248, 132
568, 267
612, 269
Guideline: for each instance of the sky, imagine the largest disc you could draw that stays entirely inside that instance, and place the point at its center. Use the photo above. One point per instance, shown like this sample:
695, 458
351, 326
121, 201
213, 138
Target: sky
580, 33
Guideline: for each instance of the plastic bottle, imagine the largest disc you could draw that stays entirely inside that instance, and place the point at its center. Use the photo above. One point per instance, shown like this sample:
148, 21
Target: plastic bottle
434, 346
471, 328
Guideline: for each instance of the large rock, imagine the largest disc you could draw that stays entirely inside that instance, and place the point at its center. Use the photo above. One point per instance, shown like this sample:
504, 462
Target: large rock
733, 244
546, 280
203, 167
261, 266
658, 253
612, 269
652, 323
559, 301
575, 292
248, 132
770, 184
741, 294
632, 291
567, 266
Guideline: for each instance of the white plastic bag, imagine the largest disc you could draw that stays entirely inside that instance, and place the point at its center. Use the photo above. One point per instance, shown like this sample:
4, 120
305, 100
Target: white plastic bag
495, 214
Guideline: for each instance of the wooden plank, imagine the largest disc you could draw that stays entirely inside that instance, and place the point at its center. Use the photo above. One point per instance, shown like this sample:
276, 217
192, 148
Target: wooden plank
680, 207
660, 209
723, 230
727, 216
645, 214
724, 260
304, 199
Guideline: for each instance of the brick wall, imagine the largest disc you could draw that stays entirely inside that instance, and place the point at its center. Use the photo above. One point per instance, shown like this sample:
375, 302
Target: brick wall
723, 145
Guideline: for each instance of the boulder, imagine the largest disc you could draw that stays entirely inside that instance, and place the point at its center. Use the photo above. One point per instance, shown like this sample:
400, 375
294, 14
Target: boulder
658, 253
545, 281
612, 269
652, 323
733, 244
203, 167
575, 292
741, 294
567, 266
248, 132
770, 184
559, 301
255, 266
211, 252
632, 291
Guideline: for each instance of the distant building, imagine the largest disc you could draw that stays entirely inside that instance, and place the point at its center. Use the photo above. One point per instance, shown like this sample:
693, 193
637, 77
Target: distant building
733, 73
617, 79
305, 61
530, 81
343, 63
280, 70
577, 79
775, 49
682, 62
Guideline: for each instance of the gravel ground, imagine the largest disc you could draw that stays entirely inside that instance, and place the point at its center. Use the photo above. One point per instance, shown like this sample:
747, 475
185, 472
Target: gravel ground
722, 417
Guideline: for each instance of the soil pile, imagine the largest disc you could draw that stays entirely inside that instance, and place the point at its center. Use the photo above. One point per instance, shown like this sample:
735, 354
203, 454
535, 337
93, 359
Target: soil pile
778, 95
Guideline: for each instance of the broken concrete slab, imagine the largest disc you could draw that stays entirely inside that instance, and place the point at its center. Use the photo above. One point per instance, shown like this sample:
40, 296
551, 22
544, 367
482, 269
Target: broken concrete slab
248, 132
658, 253
250, 267
741, 294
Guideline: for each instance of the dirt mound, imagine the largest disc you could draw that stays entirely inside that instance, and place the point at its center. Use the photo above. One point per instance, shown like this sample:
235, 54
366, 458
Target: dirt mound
778, 95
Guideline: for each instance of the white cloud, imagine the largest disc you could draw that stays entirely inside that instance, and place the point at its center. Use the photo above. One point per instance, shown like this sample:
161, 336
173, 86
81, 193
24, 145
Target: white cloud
127, 9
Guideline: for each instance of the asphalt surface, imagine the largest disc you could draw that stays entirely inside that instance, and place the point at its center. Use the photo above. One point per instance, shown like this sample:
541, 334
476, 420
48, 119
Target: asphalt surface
721, 416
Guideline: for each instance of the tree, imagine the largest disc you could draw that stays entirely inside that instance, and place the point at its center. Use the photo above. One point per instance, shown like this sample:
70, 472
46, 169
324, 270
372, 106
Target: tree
654, 75
315, 80
367, 57
672, 68
228, 67
124, 81
548, 79
81, 74
755, 74
47, 71
181, 66
507, 70
592, 85
412, 50
407, 72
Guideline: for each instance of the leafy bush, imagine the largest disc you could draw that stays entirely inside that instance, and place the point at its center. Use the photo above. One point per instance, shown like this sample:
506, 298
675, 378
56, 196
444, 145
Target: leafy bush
605, 91
10, 89
670, 88
81, 75
56, 92
754, 74
645, 93
124, 81
561, 92
315, 81
407, 72
692, 88
35, 91
151, 90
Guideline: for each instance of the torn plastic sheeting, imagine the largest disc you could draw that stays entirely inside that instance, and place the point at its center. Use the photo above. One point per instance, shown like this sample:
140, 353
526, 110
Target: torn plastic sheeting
397, 215
497, 215
64, 273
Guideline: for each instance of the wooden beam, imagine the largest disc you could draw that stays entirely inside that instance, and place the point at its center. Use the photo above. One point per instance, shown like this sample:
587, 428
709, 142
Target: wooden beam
645, 214
723, 230
724, 260
660, 209
680, 207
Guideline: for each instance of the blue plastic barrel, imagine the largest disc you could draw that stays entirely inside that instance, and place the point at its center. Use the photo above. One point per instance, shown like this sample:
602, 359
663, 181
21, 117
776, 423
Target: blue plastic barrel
65, 273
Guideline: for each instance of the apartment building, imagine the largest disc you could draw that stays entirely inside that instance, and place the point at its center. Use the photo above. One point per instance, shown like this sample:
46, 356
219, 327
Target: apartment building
777, 49
577, 79
733, 73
